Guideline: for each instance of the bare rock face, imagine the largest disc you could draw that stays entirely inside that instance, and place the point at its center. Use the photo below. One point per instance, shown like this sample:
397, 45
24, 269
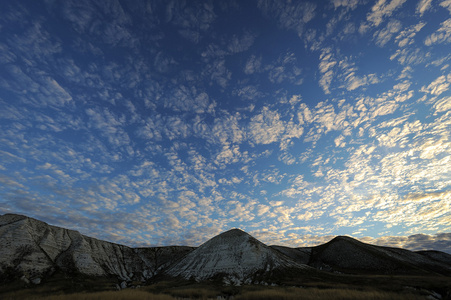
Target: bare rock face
232, 253
34, 248
20, 249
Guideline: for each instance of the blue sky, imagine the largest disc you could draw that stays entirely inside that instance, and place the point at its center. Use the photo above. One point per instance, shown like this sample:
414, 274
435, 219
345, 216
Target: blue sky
167, 122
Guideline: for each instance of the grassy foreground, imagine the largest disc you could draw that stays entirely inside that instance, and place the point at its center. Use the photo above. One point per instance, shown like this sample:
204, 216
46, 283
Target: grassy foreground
311, 287
244, 293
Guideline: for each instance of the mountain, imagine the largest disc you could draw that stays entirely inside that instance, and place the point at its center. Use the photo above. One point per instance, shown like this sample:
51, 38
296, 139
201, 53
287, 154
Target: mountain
348, 255
437, 256
301, 255
34, 249
233, 253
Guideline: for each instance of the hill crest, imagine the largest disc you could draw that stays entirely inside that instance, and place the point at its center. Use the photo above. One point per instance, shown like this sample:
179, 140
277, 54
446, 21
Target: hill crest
233, 253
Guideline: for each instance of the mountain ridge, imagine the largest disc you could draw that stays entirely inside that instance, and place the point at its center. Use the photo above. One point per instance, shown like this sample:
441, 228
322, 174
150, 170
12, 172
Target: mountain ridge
367, 258
33, 249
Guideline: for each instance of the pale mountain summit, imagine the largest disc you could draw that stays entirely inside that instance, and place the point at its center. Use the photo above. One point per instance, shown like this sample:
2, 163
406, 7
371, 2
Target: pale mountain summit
233, 252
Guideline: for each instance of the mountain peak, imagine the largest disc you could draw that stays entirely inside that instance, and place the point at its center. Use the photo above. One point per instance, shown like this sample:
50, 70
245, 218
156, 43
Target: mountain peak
234, 232
232, 253
344, 238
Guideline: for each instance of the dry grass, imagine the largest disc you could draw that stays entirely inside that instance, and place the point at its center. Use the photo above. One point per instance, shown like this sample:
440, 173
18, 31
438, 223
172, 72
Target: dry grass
108, 295
194, 293
315, 294
347, 287
279, 293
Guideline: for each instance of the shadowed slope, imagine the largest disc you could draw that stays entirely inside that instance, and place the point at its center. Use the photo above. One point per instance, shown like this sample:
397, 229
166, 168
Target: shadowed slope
346, 254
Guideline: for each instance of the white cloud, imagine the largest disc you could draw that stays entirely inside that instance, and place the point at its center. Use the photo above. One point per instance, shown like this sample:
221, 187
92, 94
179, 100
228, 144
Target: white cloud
110, 125
287, 158
406, 37
285, 68
276, 203
442, 35
266, 127
410, 56
328, 120
326, 65
383, 9
228, 130
446, 4
193, 36
262, 209
35, 88
250, 92
228, 155
163, 62
352, 4
253, 65
438, 86
423, 6
417, 212
241, 44
384, 36
186, 98
443, 104
151, 129
115, 32
36, 37
176, 128
339, 141
217, 72
304, 114
351, 79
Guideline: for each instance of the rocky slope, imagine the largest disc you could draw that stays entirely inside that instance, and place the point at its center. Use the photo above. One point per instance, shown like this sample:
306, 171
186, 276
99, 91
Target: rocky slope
35, 249
235, 254
348, 255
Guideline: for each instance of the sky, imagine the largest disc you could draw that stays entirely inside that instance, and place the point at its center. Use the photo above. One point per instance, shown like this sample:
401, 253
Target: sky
152, 123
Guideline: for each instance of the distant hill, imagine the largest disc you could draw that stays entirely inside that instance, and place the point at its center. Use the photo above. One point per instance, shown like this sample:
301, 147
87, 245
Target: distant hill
348, 255
32, 250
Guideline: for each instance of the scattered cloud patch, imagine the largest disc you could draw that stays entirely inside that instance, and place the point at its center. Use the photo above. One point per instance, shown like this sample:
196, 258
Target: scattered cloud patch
441, 36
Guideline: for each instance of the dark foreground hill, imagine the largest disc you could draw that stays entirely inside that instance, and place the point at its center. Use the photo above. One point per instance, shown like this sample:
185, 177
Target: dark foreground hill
347, 255
33, 252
